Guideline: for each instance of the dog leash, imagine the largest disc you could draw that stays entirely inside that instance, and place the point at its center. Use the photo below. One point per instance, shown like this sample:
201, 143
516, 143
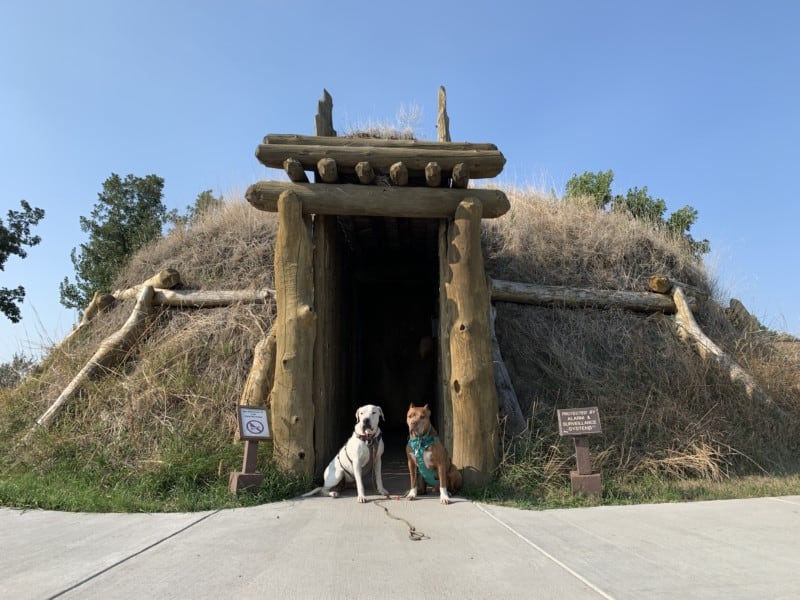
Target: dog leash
413, 534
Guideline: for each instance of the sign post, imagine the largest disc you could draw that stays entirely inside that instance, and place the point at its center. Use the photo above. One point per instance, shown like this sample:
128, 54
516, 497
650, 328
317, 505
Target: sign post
253, 427
579, 423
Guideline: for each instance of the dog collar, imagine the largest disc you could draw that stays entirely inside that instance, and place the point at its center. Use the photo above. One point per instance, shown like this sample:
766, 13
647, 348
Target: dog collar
370, 438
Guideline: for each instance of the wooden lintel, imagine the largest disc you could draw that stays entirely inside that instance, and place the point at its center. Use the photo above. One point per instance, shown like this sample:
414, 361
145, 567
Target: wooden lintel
379, 201
482, 163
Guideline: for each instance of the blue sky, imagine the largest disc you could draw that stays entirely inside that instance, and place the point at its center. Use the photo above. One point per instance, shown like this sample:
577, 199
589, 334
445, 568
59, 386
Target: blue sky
698, 101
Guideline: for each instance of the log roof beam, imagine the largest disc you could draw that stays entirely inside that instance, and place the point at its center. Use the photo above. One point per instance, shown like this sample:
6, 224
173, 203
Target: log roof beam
480, 161
377, 201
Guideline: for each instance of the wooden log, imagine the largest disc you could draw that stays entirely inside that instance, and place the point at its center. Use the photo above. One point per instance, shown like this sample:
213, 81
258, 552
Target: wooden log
262, 372
510, 411
328, 172
433, 174
689, 330
323, 122
472, 388
461, 176
292, 403
398, 174
294, 169
482, 163
446, 317
365, 172
442, 120
663, 285
111, 352
210, 298
353, 199
331, 393
99, 303
166, 279
291, 139
560, 296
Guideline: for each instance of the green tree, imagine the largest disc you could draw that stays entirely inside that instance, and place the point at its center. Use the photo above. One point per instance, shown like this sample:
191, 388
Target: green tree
596, 186
204, 204
638, 204
12, 373
129, 213
13, 237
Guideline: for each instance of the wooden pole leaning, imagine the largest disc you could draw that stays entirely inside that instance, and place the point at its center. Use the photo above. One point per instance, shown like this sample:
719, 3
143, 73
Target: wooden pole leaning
472, 388
292, 404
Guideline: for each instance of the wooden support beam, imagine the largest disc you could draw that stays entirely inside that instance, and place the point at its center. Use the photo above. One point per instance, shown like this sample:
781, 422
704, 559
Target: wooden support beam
398, 174
560, 296
472, 388
294, 169
291, 139
292, 403
433, 174
689, 330
482, 163
358, 200
111, 352
328, 172
461, 175
365, 172
510, 411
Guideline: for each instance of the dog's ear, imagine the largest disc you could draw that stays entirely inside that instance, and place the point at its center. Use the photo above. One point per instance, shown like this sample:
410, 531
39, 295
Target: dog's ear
358, 409
380, 412
410, 406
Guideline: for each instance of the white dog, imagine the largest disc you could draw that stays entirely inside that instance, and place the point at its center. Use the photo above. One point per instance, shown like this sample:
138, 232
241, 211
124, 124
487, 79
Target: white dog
363, 447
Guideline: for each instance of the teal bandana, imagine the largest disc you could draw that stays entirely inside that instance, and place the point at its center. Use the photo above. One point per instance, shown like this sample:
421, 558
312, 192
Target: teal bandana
418, 446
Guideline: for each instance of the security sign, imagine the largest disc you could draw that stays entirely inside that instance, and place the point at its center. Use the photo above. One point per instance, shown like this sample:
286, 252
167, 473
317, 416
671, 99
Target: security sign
253, 423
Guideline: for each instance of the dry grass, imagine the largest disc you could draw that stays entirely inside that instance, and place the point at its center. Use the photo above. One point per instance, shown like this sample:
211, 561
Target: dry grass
665, 412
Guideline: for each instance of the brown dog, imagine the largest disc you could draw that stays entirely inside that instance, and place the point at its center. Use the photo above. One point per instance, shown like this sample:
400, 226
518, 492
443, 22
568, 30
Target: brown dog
427, 454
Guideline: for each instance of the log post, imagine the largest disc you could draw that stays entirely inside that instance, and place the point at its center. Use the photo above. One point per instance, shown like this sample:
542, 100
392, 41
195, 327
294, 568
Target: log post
472, 387
689, 330
291, 403
510, 410
262, 372
442, 120
111, 352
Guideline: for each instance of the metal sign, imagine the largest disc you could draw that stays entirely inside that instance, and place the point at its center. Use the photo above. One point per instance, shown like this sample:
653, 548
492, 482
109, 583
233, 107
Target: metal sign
578, 421
253, 423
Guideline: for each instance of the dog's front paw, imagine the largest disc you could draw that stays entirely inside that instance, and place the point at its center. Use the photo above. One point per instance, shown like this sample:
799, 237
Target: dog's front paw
362, 499
444, 497
333, 494
412, 493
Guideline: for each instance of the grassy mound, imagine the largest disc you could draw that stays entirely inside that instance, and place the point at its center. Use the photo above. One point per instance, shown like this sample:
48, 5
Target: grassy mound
157, 433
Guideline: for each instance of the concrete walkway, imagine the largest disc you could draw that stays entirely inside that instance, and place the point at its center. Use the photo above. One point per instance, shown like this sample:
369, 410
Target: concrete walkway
336, 548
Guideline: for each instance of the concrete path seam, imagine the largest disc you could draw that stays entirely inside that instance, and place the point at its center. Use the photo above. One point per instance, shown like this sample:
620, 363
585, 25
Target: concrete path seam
784, 500
546, 554
134, 555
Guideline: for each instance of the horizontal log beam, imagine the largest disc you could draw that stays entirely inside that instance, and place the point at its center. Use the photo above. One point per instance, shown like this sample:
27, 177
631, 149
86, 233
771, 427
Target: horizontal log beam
210, 298
482, 163
553, 295
378, 201
311, 140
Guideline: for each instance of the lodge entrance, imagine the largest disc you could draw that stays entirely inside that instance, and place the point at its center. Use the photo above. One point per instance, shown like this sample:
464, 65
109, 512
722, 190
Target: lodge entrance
381, 293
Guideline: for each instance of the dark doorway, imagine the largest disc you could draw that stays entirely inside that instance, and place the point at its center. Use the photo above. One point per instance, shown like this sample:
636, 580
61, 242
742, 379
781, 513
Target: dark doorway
392, 309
